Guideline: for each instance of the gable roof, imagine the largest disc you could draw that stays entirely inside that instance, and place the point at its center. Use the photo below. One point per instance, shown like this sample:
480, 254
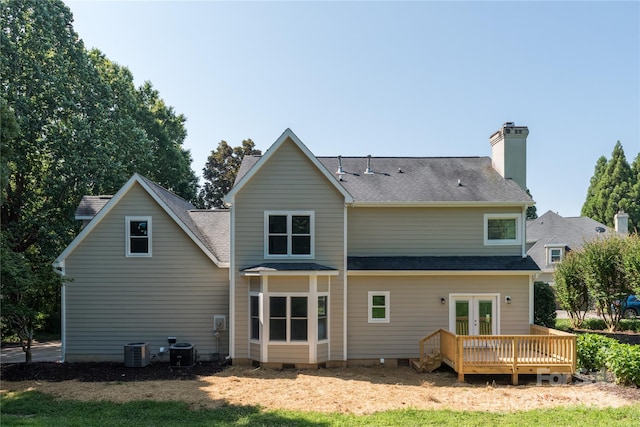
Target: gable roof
260, 161
551, 229
397, 181
182, 212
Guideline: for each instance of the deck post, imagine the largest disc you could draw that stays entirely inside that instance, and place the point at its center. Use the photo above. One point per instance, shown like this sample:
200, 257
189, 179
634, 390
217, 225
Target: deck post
460, 358
514, 352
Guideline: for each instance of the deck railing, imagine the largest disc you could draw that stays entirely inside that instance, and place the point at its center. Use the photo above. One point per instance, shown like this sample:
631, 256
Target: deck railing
543, 351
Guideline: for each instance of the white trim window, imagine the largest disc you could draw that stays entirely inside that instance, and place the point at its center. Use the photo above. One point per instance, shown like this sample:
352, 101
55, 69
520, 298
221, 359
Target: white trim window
289, 234
138, 236
288, 318
555, 254
379, 306
502, 229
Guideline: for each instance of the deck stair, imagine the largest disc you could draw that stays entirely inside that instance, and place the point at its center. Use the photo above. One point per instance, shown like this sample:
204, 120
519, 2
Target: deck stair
430, 356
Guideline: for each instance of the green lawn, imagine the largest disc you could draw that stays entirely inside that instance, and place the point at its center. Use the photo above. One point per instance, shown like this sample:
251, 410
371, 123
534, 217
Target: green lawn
38, 409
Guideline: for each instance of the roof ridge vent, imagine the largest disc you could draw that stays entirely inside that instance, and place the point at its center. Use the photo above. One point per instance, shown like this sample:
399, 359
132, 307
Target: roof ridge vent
368, 171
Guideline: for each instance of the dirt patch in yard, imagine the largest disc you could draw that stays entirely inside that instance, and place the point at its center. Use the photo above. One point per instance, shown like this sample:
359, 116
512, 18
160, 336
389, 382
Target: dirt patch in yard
358, 390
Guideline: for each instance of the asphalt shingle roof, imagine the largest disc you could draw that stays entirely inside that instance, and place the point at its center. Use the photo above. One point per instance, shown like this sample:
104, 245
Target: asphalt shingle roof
419, 179
441, 263
288, 266
90, 206
553, 229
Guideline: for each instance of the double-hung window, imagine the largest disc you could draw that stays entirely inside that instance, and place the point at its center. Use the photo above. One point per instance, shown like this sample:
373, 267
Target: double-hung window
555, 254
138, 236
288, 318
289, 234
379, 307
502, 229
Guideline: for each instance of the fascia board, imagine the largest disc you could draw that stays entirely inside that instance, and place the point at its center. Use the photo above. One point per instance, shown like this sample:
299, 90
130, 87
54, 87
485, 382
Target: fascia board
435, 204
290, 273
287, 134
441, 273
181, 224
96, 220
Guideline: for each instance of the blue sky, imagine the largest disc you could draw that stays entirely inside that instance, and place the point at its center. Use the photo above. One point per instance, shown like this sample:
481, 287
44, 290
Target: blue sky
391, 78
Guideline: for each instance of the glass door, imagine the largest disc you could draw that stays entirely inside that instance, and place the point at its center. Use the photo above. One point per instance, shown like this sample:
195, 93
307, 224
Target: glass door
473, 315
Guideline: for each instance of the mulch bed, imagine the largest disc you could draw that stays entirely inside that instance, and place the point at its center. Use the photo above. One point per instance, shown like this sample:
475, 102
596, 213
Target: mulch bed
102, 372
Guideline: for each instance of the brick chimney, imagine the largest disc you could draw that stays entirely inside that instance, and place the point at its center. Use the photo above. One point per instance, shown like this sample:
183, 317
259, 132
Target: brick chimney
509, 152
621, 222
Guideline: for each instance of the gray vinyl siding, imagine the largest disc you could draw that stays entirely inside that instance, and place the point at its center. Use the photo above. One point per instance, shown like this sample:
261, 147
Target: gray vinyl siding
323, 352
416, 311
422, 231
113, 300
289, 181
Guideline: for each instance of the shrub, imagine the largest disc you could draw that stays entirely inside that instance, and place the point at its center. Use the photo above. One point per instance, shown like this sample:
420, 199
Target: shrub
623, 360
592, 350
544, 305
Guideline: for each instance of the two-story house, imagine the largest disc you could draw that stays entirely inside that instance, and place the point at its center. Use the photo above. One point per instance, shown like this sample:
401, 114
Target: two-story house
318, 260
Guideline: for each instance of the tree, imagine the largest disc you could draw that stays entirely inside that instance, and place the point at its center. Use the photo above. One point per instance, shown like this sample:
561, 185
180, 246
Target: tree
631, 262
544, 310
604, 273
221, 170
571, 288
74, 125
532, 211
612, 189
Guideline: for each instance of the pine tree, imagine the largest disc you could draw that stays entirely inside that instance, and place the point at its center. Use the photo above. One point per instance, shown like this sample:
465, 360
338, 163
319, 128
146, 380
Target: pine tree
611, 189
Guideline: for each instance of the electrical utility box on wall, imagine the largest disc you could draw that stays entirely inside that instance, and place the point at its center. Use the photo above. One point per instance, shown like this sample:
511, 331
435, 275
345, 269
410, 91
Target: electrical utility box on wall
219, 322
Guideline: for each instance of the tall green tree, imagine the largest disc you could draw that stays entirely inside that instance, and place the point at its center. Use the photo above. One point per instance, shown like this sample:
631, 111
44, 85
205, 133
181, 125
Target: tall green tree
611, 189
571, 288
604, 272
72, 124
221, 170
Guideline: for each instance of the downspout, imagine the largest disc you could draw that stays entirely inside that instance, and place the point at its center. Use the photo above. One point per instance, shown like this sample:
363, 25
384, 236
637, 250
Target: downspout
60, 269
523, 231
344, 289
232, 283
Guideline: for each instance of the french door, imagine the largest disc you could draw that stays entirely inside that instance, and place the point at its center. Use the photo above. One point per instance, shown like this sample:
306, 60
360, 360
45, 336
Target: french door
473, 314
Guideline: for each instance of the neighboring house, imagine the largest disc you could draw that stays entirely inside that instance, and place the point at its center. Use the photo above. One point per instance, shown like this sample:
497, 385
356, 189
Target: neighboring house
319, 260
550, 237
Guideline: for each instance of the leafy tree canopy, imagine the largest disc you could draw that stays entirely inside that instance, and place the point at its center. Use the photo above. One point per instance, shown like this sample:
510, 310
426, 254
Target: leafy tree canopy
73, 123
221, 170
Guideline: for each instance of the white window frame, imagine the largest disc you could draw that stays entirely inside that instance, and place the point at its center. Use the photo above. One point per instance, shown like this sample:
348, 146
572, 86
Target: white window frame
323, 340
289, 215
260, 316
550, 251
517, 217
387, 306
128, 237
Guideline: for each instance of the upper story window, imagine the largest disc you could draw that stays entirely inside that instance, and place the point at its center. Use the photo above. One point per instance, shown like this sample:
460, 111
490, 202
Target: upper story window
289, 234
138, 236
502, 229
555, 255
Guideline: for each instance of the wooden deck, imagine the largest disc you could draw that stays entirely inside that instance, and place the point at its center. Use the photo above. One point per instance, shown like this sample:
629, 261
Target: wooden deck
544, 351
